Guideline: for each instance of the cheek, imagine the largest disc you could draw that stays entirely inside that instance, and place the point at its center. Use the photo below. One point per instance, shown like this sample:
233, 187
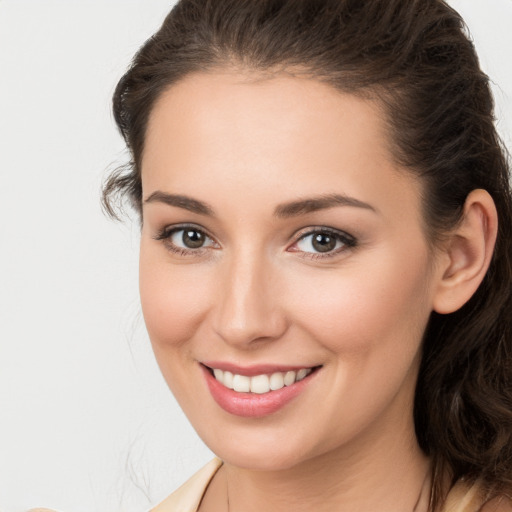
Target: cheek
174, 299
371, 319
367, 305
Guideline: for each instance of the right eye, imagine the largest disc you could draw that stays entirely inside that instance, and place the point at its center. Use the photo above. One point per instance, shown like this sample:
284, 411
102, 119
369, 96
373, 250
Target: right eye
189, 238
185, 239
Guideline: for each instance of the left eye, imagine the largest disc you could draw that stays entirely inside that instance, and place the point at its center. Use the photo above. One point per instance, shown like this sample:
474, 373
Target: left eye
323, 242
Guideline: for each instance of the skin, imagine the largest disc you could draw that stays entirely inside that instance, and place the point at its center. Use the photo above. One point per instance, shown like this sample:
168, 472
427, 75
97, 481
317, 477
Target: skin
259, 293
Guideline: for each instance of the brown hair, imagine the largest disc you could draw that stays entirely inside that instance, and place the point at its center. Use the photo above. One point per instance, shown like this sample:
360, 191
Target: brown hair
415, 57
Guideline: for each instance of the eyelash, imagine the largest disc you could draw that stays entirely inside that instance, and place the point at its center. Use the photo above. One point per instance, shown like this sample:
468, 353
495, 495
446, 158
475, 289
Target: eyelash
347, 241
166, 233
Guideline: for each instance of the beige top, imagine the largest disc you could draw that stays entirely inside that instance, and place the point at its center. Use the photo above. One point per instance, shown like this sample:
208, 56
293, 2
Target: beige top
187, 498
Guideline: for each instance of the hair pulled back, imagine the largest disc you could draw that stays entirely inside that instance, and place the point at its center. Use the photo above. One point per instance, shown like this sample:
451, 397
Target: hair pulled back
415, 57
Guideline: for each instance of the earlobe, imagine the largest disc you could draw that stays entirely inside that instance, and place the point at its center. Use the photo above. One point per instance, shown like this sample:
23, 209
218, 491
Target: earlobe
468, 253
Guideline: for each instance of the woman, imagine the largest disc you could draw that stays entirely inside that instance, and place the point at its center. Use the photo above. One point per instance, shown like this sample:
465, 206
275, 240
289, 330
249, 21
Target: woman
325, 265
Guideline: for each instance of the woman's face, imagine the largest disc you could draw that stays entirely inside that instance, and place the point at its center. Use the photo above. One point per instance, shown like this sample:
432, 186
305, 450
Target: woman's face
281, 240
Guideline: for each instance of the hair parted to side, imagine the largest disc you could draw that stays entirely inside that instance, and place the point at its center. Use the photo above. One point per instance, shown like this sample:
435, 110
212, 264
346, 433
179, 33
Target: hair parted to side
414, 57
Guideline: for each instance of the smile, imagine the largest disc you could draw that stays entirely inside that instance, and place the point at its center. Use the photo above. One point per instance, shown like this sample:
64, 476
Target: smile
259, 384
257, 391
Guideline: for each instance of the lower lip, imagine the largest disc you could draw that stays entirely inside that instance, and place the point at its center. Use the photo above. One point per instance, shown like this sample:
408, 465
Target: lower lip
253, 405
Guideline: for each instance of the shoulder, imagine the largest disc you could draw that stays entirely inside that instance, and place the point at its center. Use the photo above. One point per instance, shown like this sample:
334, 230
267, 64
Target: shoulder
466, 497
498, 504
189, 495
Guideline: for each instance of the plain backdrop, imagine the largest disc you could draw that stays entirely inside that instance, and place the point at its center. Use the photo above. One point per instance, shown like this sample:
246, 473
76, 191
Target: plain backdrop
87, 423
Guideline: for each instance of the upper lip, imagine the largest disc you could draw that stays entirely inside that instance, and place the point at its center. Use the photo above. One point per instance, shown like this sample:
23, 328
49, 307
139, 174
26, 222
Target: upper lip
252, 370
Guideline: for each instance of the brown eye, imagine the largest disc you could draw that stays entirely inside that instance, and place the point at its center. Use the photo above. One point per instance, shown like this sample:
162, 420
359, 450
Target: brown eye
185, 239
323, 242
192, 238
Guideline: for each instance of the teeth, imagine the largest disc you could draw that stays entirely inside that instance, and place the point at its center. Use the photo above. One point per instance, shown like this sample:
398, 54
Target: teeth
289, 378
241, 383
276, 381
260, 383
302, 373
228, 380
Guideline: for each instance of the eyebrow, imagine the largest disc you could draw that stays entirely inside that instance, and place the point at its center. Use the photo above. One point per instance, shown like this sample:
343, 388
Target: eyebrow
285, 210
309, 205
180, 201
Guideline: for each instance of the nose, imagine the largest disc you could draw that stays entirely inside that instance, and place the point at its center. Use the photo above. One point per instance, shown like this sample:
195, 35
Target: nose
249, 310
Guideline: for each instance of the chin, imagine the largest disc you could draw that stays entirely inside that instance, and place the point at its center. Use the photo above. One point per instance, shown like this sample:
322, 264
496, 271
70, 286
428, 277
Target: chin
259, 449
261, 460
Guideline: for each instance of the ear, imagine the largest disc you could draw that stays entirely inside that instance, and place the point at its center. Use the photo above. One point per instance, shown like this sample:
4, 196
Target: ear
467, 253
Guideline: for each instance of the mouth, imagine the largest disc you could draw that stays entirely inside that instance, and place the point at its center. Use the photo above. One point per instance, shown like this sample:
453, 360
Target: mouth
257, 391
262, 383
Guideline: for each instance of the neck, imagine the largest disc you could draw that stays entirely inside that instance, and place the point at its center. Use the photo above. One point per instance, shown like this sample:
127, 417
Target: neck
384, 480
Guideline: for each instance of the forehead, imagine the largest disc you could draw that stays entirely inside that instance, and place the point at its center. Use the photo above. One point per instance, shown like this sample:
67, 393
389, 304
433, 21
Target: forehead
249, 105
281, 136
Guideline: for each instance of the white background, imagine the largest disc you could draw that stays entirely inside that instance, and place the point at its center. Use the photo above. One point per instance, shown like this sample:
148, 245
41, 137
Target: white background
86, 421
